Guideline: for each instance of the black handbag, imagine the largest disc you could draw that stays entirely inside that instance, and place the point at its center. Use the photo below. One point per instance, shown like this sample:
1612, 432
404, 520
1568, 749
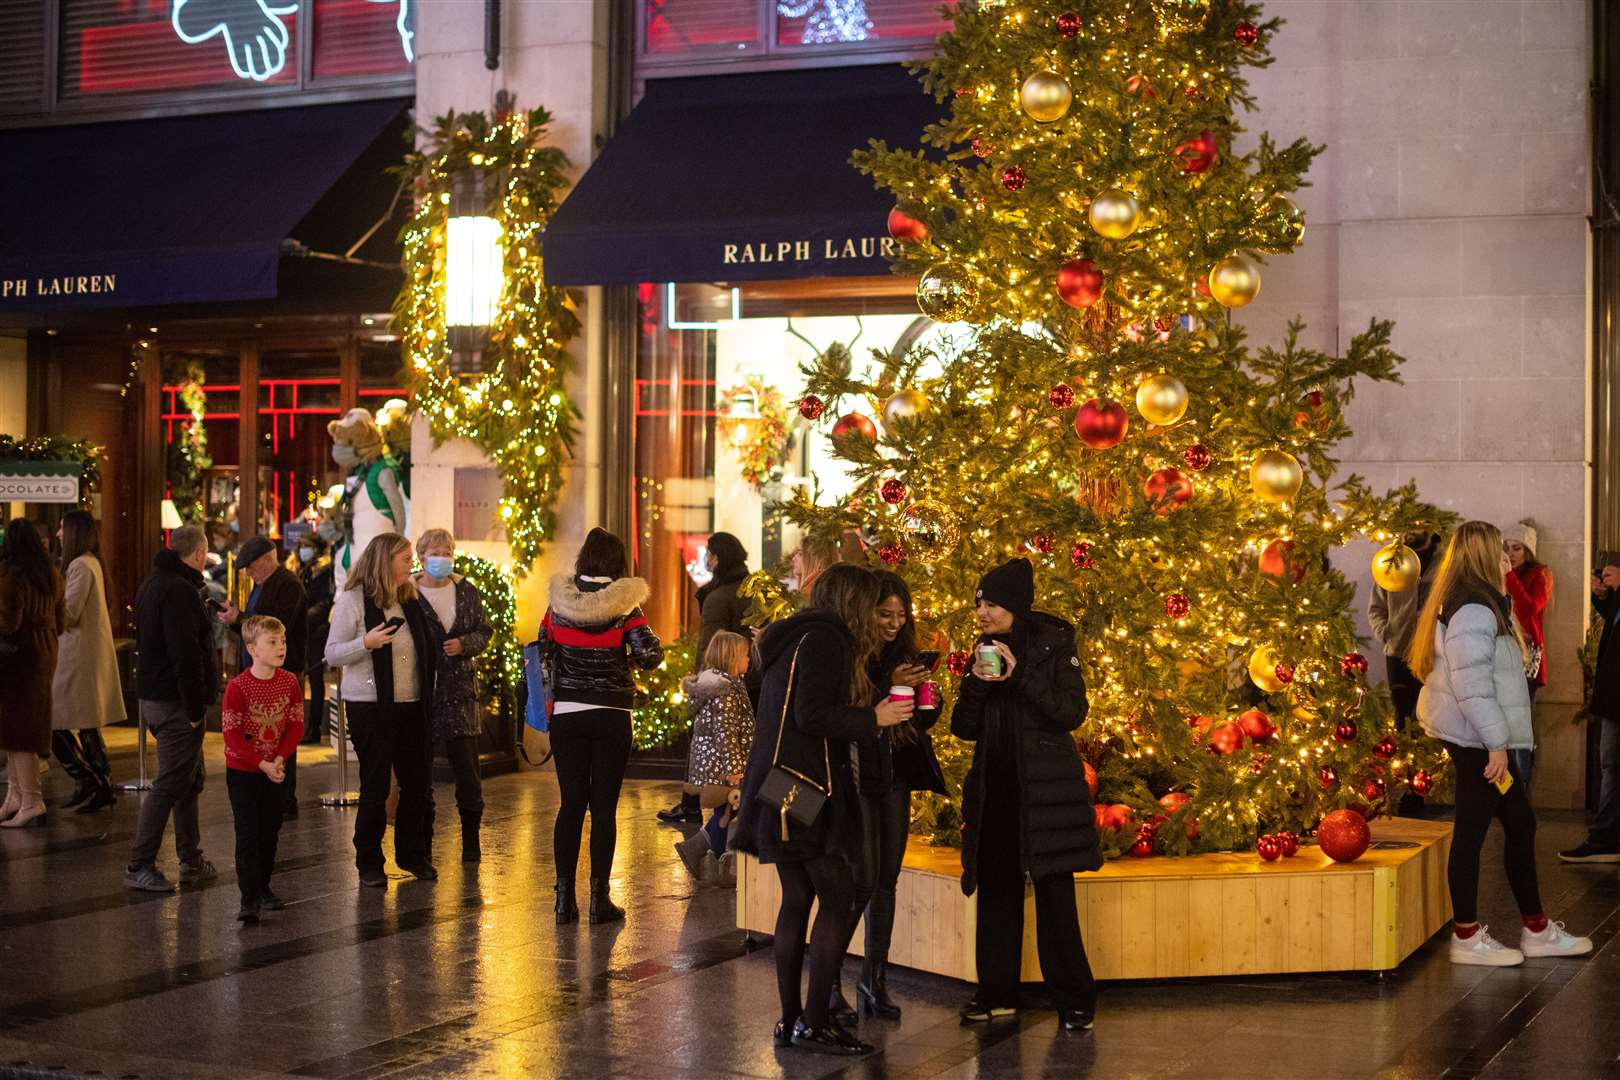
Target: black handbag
797, 797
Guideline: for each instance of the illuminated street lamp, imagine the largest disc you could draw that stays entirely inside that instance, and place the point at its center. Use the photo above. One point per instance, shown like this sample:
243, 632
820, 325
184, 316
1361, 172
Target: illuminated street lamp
473, 273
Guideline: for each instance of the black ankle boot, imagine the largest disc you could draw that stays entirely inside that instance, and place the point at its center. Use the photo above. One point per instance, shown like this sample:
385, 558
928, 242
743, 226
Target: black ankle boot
839, 1010
872, 992
470, 850
103, 795
603, 909
567, 909
83, 788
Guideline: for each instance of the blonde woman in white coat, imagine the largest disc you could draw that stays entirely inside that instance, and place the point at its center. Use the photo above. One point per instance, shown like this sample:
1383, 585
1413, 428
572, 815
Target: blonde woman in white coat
1468, 652
86, 694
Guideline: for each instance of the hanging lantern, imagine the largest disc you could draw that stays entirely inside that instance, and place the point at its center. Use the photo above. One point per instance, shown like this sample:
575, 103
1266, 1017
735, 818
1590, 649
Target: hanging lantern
474, 272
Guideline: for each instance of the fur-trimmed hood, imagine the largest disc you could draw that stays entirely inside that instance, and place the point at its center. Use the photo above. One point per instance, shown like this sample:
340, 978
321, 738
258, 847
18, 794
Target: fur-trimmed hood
596, 606
710, 683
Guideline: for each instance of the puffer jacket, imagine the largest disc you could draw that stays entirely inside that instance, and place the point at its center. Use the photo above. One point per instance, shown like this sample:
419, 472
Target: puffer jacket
1476, 695
722, 727
592, 631
1030, 717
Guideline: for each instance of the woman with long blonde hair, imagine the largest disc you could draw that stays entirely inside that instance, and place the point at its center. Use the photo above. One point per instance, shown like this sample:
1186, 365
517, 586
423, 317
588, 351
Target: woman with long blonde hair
381, 639
1469, 654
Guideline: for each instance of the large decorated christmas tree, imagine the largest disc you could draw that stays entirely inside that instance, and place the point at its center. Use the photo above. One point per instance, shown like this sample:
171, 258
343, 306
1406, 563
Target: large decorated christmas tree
1087, 212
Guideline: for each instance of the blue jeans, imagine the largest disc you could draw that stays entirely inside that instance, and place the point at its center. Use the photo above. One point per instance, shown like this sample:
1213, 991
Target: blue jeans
1605, 830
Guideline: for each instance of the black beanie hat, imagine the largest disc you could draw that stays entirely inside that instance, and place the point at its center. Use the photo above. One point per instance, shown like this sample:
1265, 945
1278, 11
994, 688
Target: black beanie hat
1010, 585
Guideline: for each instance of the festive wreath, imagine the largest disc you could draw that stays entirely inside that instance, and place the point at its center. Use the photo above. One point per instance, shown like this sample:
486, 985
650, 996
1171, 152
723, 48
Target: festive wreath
756, 417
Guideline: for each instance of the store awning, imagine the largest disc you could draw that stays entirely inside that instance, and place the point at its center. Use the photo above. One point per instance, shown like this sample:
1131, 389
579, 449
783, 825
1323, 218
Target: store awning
169, 211
740, 178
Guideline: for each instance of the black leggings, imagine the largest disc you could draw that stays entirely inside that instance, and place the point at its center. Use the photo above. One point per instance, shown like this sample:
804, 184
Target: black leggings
885, 820
591, 750
1478, 802
825, 878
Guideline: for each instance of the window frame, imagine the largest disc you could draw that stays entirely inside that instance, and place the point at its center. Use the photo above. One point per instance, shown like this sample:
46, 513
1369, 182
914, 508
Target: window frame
769, 55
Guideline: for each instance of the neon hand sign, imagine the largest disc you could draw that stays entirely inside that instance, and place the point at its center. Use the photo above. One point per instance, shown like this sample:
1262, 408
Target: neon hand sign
403, 25
255, 37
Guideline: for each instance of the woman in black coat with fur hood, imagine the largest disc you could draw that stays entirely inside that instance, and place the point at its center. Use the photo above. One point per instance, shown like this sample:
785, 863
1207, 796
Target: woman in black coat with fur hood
813, 707
1025, 802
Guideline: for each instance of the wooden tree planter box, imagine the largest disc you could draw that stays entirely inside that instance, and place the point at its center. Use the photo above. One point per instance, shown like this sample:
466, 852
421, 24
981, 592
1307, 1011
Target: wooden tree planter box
1163, 918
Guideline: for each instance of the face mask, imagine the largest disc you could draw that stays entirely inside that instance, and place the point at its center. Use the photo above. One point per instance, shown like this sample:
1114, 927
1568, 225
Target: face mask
306, 554
439, 566
345, 456
236, 526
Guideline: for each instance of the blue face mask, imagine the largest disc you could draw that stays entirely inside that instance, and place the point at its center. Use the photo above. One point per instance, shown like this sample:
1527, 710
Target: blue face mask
306, 554
439, 566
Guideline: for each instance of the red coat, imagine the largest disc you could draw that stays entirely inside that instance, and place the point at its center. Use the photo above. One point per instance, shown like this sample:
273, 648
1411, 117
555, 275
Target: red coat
1531, 589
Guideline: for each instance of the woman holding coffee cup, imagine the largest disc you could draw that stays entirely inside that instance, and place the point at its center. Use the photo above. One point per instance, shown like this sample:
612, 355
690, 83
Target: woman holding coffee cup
1025, 802
891, 765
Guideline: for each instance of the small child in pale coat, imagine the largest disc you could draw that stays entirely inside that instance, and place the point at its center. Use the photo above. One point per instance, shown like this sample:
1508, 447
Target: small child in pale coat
722, 734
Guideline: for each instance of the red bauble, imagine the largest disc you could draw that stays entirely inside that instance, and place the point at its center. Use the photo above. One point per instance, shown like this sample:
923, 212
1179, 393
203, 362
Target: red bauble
1256, 725
1385, 748
1177, 605
892, 554
1013, 178
1268, 848
1193, 93
1226, 738
1061, 396
1277, 560
1080, 555
1143, 847
1079, 283
1197, 457
1167, 490
1198, 155
1091, 777
1343, 835
959, 663
1289, 844
1115, 816
1258, 765
1246, 34
982, 149
902, 226
1314, 399
1345, 731
893, 491
811, 407
1068, 24
1101, 424
1175, 800
1422, 783
1352, 665
1374, 790
855, 424
1284, 673
1328, 777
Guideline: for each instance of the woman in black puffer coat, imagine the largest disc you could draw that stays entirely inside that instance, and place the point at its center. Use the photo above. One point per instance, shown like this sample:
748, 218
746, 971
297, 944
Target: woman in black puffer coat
1025, 801
813, 706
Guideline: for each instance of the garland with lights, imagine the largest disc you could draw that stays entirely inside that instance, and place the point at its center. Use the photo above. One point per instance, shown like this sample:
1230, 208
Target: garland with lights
58, 448
500, 665
661, 716
517, 411
757, 415
188, 455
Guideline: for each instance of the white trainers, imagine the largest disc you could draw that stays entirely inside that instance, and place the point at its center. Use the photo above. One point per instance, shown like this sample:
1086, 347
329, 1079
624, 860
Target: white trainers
1484, 950
1554, 941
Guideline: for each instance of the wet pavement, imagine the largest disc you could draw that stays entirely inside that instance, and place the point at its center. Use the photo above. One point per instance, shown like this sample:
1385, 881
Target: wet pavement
469, 977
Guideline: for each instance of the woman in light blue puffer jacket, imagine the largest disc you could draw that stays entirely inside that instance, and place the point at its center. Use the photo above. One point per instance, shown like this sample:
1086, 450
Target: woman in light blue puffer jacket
1475, 700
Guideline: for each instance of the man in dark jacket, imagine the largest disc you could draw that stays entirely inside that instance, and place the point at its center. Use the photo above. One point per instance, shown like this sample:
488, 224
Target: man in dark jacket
178, 680
279, 594
1025, 801
1602, 843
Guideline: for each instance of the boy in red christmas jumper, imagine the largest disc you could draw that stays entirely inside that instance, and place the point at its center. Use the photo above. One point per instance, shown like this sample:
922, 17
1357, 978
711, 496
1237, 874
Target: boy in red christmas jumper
262, 720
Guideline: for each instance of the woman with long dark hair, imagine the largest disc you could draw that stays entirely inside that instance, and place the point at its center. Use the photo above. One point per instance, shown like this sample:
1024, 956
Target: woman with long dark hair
381, 639
87, 694
32, 615
591, 633
893, 764
816, 702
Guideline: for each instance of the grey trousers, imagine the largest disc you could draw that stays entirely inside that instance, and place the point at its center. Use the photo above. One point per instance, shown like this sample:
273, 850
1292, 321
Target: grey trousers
178, 783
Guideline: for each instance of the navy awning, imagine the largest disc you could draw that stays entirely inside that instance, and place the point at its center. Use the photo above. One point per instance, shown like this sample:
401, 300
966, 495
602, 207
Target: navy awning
168, 211
740, 178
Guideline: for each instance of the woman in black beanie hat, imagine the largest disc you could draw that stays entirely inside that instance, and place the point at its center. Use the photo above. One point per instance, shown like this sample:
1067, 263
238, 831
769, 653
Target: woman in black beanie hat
1025, 801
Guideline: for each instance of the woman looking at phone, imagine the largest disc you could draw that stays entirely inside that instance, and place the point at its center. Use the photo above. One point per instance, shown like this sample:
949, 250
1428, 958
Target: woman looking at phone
380, 638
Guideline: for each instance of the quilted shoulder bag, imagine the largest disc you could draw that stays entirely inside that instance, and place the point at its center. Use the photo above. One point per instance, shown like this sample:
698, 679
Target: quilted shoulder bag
797, 797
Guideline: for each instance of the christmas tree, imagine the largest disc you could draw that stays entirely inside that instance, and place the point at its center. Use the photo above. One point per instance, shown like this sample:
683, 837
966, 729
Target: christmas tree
1087, 210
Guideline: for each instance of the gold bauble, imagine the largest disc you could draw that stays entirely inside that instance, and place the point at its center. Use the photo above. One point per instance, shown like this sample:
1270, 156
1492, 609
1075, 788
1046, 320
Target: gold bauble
946, 294
1114, 214
1181, 16
929, 529
1161, 399
1276, 476
907, 404
1281, 226
1395, 567
1235, 280
1045, 96
1263, 669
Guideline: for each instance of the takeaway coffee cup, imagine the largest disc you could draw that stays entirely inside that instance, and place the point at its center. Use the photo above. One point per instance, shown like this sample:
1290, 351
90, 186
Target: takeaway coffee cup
990, 658
902, 693
927, 696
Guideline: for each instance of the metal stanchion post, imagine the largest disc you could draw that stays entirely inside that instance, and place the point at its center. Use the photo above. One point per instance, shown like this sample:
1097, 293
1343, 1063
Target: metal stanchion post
141, 784
342, 796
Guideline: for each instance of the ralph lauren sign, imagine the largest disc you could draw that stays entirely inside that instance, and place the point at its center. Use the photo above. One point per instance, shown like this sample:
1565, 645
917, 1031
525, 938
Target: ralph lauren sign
75, 285
827, 249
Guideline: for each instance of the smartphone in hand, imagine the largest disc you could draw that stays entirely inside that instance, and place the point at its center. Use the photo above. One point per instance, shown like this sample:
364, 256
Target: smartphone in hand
928, 660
